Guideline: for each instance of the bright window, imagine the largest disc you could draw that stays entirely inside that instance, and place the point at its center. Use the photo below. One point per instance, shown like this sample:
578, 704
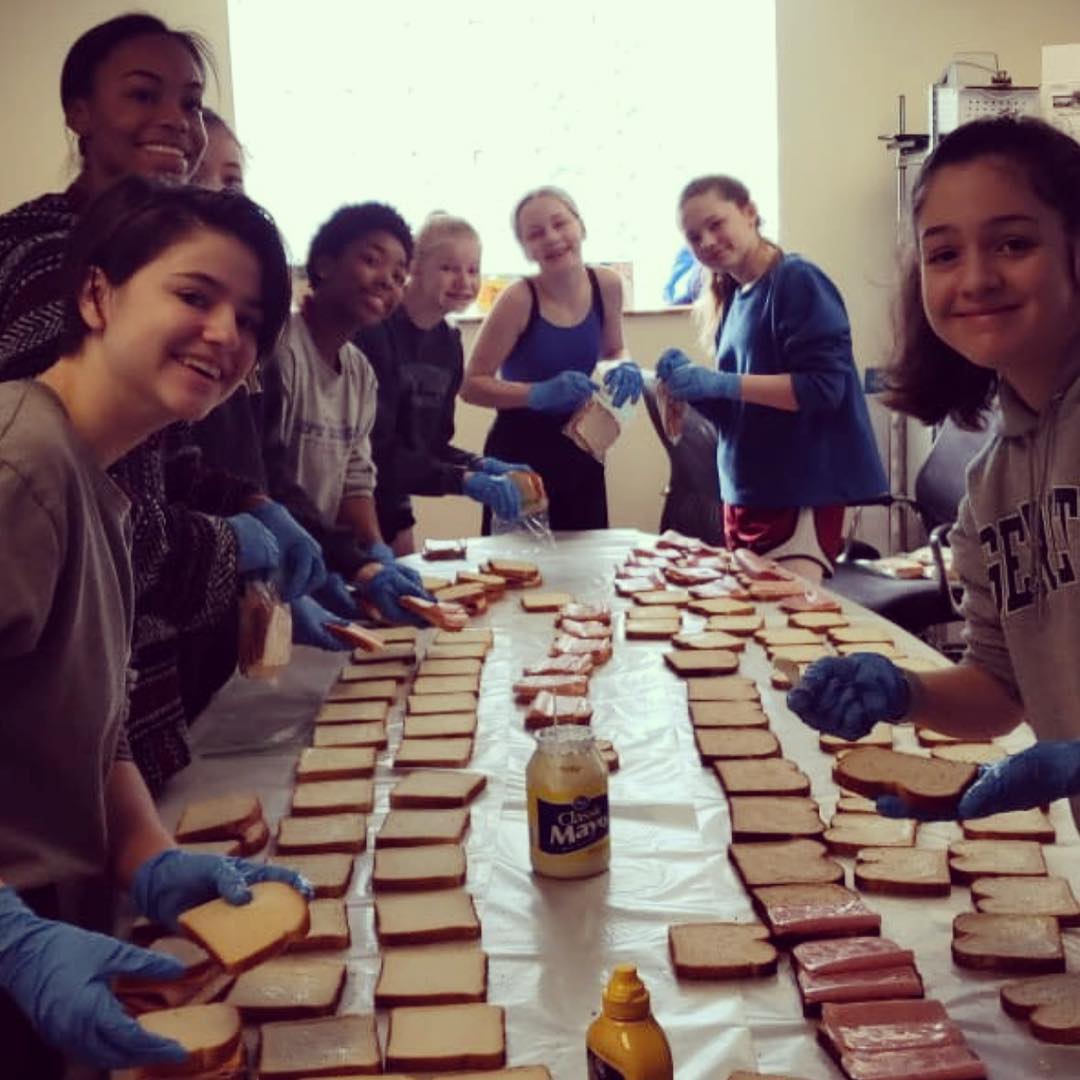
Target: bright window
463, 107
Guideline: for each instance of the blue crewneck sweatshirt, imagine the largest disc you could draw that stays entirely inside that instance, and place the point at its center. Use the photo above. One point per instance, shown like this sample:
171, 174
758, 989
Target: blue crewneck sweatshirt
792, 321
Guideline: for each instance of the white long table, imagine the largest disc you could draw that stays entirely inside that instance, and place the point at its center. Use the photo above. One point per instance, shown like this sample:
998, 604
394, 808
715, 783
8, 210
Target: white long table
552, 943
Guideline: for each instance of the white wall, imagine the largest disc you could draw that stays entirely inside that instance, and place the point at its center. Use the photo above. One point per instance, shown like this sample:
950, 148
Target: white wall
35, 35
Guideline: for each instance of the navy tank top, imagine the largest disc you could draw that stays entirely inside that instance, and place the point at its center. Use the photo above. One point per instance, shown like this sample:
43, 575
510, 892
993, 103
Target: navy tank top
545, 350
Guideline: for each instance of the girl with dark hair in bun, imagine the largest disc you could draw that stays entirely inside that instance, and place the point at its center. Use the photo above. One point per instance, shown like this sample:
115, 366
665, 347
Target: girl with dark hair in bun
174, 293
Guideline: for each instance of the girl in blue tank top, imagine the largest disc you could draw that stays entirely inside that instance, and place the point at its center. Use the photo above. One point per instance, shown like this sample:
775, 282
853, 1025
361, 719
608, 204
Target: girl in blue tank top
536, 351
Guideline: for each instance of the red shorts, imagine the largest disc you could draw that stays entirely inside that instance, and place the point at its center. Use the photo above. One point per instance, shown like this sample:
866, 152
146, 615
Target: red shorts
815, 532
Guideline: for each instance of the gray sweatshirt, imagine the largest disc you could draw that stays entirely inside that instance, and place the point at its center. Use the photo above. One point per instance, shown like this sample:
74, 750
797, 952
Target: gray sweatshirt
1016, 547
326, 419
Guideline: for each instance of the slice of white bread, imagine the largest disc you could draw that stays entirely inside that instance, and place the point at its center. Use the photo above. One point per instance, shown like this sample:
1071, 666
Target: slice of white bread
322, 832
1050, 1003
1033, 824
239, 936
467, 650
345, 1045
849, 833
426, 976
345, 693
923, 782
721, 950
766, 776
1024, 944
329, 927
465, 666
651, 629
784, 862
328, 873
410, 828
881, 734
353, 712
687, 662
722, 605
432, 866
1027, 896
334, 796
709, 639
398, 670
723, 688
433, 789
431, 753
903, 871
419, 918
335, 763
219, 818
728, 714
439, 726
426, 704
371, 735
378, 691
288, 988
715, 744
445, 684
446, 1037
209, 1033
774, 817
969, 859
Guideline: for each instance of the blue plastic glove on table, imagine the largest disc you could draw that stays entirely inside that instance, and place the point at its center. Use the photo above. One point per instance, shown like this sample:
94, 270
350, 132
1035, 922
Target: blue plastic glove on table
494, 467
1039, 775
257, 550
173, 881
309, 620
387, 587
500, 493
624, 383
564, 393
59, 976
848, 695
302, 568
691, 382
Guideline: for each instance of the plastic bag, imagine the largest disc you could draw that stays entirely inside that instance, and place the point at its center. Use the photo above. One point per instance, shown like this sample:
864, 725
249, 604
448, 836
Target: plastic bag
672, 412
533, 521
597, 424
264, 639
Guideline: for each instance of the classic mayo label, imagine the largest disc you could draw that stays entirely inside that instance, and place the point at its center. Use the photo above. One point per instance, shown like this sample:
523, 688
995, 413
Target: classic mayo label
566, 827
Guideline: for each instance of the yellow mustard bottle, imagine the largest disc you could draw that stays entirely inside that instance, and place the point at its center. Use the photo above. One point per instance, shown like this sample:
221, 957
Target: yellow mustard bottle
625, 1042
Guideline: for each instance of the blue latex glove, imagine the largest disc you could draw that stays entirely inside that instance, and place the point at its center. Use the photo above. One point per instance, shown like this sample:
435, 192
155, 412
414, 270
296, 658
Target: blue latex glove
624, 382
498, 492
848, 695
334, 595
257, 550
562, 394
387, 587
1034, 777
308, 619
302, 567
494, 467
692, 382
381, 552
173, 881
670, 359
59, 976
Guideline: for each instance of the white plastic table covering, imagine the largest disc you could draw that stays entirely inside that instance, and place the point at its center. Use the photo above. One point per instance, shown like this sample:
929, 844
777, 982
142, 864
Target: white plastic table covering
551, 943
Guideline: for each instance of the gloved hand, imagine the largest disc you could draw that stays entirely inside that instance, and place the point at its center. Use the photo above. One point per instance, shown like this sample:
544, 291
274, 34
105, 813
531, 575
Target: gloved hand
59, 976
387, 587
308, 617
498, 492
302, 567
691, 382
1036, 776
562, 394
334, 595
382, 552
624, 382
494, 467
257, 551
848, 695
172, 881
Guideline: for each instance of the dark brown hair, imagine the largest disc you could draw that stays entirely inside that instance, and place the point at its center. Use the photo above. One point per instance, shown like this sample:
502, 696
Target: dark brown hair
134, 220
926, 378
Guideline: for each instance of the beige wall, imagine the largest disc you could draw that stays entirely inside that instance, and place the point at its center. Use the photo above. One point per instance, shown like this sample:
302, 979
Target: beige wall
35, 35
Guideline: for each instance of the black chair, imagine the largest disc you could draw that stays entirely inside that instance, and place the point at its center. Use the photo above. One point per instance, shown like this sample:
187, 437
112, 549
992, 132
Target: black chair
918, 604
692, 496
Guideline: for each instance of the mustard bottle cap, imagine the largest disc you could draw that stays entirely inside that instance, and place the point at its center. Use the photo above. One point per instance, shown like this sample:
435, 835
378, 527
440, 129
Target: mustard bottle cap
625, 997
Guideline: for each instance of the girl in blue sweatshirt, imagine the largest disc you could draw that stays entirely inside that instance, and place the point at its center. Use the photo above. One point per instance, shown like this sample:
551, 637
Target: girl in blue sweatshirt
796, 445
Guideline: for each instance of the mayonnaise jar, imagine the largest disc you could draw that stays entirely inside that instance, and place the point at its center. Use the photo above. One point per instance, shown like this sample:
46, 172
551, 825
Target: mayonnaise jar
567, 789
